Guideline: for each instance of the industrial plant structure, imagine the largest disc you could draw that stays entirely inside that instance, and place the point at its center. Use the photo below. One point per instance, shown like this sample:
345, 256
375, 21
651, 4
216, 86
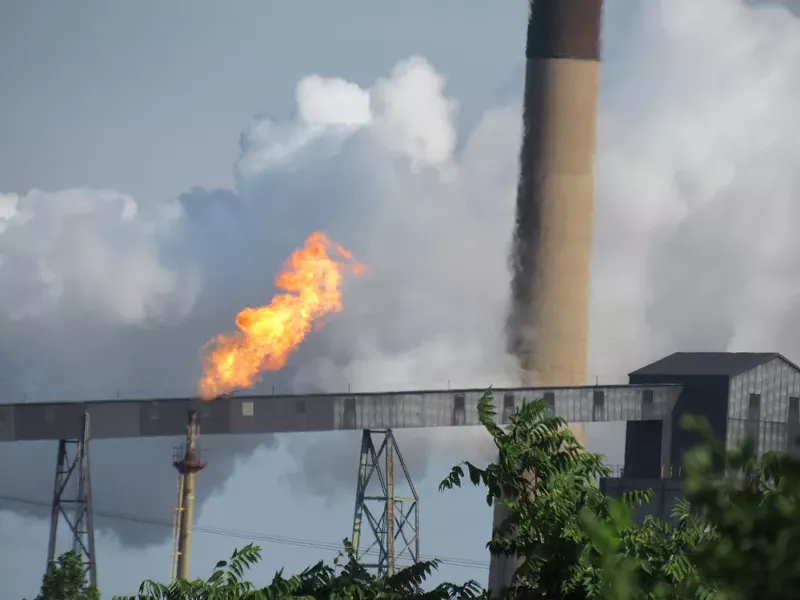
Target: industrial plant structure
376, 415
743, 395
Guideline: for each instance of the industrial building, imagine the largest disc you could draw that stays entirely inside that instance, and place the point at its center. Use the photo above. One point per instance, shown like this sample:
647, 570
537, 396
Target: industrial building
743, 395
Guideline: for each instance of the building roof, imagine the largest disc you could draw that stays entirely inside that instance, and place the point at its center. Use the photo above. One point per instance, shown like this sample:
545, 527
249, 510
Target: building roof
709, 363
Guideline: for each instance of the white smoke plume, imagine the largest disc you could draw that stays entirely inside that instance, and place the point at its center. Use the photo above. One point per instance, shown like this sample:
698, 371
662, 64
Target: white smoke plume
694, 245
697, 177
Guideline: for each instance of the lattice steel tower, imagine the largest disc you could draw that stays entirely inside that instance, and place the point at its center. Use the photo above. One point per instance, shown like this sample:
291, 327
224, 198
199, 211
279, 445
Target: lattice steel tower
393, 520
72, 500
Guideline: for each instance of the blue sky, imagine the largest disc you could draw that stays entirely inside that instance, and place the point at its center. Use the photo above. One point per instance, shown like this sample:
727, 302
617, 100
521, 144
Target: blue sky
179, 109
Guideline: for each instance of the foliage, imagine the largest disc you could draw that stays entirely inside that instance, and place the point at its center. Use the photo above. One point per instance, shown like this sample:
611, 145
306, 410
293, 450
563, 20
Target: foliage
66, 580
605, 570
737, 535
544, 479
345, 580
626, 561
753, 505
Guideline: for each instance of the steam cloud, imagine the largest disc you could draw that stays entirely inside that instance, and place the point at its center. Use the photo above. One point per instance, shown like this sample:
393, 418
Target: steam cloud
694, 245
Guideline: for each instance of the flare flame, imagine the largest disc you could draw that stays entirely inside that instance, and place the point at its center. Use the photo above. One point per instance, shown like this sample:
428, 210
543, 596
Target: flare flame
267, 335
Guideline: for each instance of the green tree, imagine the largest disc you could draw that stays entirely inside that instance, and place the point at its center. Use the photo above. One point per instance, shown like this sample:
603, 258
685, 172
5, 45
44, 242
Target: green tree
651, 561
346, 579
66, 580
753, 505
737, 537
575, 543
545, 479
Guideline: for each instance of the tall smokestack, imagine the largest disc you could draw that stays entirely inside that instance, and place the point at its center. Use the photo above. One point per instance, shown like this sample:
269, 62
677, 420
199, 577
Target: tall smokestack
548, 326
551, 254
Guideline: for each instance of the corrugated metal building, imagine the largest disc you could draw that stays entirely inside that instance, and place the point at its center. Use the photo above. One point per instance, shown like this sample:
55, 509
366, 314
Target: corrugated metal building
743, 395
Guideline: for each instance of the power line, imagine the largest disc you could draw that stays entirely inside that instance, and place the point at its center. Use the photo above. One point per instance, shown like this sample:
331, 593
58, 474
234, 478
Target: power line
249, 536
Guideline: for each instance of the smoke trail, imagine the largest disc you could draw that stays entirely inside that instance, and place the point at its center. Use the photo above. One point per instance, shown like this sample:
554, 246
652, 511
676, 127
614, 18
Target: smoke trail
524, 254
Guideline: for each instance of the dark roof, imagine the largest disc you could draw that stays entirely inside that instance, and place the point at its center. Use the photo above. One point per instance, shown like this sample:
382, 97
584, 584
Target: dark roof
709, 363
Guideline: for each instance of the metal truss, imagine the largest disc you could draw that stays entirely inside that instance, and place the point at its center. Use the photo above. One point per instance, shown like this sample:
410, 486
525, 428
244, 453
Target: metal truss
72, 501
393, 520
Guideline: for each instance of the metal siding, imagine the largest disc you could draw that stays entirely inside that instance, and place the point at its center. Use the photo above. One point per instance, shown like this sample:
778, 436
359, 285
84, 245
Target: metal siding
793, 428
599, 406
49, 421
163, 417
7, 427
257, 415
278, 415
114, 420
271, 414
375, 412
577, 405
458, 412
241, 419
471, 406
667, 435
320, 414
775, 381
215, 417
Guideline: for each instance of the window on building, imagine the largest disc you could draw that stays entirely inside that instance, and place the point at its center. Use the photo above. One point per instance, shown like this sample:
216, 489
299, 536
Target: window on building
349, 412
753, 416
648, 404
459, 415
754, 407
793, 428
598, 405
248, 409
508, 406
550, 398
794, 410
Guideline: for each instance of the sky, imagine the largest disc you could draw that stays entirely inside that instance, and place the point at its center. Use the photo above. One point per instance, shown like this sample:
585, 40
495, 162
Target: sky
159, 161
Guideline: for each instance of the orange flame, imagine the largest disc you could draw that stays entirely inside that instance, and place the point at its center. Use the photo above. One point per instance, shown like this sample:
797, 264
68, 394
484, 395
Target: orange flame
267, 335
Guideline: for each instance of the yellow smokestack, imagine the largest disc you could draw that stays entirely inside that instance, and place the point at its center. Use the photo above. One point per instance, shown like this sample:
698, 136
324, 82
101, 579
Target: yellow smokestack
549, 322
